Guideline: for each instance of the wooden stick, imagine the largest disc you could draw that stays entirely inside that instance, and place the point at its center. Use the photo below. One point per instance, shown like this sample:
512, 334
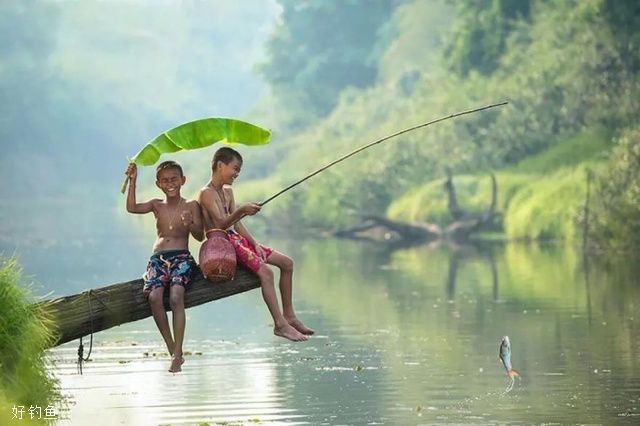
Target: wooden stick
123, 187
362, 148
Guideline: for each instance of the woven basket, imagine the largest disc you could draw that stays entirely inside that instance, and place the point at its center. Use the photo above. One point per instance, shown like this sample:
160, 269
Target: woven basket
217, 257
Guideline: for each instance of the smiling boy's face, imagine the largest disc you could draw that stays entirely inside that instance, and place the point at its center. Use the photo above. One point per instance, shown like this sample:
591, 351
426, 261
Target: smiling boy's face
229, 172
170, 180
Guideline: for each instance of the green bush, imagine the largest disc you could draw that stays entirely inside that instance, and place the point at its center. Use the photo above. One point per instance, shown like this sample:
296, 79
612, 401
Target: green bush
549, 207
586, 145
25, 333
616, 212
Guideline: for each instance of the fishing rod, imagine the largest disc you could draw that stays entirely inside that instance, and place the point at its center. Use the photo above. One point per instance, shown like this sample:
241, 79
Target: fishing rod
362, 148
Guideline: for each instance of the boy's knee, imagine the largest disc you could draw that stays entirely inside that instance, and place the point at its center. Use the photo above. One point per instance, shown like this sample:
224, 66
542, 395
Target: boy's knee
155, 298
265, 273
287, 265
176, 300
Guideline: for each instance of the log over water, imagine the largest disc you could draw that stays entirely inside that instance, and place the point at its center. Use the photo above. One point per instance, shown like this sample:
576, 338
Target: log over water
102, 308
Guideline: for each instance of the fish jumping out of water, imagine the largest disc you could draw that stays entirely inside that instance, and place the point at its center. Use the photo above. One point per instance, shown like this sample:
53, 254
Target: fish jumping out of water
505, 357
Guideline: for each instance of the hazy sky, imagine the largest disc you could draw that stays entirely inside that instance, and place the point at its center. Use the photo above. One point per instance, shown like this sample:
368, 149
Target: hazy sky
84, 84
157, 53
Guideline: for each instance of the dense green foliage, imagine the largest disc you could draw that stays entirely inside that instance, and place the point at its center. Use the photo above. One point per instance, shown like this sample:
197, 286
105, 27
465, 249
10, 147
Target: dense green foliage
24, 336
321, 48
617, 197
479, 36
568, 68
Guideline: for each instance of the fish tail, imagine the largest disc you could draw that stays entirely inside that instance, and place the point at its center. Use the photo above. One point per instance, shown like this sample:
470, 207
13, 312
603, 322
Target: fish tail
513, 373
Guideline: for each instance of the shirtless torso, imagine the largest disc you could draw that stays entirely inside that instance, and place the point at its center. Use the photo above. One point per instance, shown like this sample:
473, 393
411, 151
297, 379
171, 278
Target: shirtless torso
219, 204
172, 234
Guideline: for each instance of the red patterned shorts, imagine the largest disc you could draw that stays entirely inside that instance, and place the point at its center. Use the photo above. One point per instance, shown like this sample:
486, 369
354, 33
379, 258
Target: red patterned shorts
246, 252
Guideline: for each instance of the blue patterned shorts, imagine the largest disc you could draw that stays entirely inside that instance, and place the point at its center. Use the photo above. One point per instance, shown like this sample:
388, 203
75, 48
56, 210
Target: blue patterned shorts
167, 268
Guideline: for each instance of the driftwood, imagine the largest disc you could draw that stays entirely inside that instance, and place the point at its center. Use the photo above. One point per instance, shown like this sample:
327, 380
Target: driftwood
102, 308
379, 228
452, 201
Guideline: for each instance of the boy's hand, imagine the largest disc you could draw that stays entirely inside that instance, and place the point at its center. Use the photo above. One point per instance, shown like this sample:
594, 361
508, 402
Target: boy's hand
132, 171
250, 209
260, 252
187, 218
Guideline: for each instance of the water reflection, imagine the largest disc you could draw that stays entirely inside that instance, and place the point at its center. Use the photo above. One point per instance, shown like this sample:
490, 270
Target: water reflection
470, 253
225, 381
436, 316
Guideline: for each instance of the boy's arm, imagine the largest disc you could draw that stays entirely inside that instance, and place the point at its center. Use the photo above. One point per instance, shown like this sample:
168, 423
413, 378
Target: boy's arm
239, 226
196, 228
211, 211
132, 205
242, 230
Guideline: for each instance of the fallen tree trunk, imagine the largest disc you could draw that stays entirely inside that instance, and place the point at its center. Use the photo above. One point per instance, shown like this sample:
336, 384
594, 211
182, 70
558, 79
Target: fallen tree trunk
374, 225
102, 308
378, 228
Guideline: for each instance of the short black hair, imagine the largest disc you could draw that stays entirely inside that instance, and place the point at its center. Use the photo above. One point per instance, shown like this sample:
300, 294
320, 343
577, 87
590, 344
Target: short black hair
168, 165
226, 155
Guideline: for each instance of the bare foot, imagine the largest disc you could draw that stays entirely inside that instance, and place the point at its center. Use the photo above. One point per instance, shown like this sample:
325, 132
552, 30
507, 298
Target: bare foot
298, 325
176, 364
288, 332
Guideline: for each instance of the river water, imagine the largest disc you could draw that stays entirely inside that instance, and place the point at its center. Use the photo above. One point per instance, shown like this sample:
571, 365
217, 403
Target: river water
404, 337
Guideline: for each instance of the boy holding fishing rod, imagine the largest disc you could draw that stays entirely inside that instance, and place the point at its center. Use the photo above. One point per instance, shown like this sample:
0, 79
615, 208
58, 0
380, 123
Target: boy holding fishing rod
219, 211
171, 266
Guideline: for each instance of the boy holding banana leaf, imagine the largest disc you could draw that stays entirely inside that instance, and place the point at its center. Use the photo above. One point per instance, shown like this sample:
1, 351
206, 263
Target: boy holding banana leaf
219, 211
171, 265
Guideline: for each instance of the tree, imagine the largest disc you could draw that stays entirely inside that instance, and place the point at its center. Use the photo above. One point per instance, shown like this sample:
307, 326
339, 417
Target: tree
479, 34
616, 209
320, 48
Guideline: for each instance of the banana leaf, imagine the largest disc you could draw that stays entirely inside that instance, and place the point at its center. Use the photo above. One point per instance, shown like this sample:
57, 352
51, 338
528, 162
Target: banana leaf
200, 134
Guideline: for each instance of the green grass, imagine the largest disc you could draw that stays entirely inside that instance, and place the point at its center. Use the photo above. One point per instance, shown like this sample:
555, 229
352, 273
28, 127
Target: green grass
585, 146
25, 333
540, 198
428, 203
548, 207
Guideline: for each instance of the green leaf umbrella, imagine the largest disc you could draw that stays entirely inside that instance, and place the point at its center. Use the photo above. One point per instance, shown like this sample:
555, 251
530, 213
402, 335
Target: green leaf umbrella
199, 134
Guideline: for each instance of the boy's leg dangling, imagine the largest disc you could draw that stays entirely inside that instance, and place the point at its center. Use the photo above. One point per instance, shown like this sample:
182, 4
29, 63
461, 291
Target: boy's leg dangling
160, 317
281, 327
